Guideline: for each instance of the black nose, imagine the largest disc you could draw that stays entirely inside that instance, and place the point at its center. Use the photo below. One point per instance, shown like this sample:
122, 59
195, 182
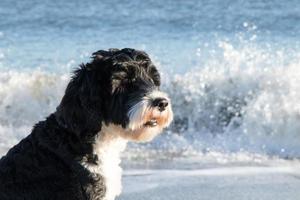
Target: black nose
161, 103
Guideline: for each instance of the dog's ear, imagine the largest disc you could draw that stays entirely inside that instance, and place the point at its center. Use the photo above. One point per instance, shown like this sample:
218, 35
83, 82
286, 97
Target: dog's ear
79, 110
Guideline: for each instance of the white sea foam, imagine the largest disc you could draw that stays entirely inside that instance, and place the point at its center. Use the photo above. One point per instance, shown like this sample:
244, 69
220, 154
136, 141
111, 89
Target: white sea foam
245, 100
26, 98
249, 100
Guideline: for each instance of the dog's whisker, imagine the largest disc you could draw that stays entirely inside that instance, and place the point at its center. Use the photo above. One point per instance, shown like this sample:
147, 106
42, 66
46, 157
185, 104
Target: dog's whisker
136, 114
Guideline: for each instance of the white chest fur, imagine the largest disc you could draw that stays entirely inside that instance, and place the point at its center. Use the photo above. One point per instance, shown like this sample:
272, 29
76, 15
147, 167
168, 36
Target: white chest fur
108, 148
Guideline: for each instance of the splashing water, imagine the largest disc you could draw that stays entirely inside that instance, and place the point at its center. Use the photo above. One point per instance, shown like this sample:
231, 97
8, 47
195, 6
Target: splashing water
245, 99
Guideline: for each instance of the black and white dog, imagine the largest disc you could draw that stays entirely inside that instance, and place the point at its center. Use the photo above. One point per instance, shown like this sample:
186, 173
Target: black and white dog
75, 152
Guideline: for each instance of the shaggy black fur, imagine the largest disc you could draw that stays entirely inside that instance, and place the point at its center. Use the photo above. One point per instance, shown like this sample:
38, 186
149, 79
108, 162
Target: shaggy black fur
47, 163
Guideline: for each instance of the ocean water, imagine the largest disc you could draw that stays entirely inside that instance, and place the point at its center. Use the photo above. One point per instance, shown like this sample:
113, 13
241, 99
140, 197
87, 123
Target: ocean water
231, 68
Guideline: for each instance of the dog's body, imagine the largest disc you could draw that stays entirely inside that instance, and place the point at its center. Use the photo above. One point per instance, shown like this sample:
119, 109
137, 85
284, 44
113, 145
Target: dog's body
75, 152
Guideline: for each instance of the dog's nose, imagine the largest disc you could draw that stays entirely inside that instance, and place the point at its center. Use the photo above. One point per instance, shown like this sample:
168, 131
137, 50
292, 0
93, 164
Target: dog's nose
161, 103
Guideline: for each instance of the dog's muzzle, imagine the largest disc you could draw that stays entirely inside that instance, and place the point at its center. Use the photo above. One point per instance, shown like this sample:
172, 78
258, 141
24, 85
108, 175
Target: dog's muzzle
153, 110
159, 104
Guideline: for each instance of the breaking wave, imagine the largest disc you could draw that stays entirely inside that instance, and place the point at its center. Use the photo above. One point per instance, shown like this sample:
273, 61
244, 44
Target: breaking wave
245, 99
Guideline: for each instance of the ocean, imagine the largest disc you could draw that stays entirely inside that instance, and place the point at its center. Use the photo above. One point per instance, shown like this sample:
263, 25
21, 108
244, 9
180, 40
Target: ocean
231, 69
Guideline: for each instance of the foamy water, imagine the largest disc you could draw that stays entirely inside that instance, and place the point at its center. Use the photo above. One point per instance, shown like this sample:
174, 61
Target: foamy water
231, 69
243, 101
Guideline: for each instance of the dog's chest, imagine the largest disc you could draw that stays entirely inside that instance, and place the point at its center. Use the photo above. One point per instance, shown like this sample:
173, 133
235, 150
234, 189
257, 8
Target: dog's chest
108, 148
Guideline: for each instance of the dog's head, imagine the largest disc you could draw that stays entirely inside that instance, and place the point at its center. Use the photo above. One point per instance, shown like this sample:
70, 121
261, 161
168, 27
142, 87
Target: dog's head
118, 89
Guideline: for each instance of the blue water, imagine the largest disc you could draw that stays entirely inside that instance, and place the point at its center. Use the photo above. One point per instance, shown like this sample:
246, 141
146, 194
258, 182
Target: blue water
50, 33
232, 67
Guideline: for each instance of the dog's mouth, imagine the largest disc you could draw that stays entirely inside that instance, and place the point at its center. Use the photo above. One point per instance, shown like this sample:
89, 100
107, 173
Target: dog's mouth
151, 123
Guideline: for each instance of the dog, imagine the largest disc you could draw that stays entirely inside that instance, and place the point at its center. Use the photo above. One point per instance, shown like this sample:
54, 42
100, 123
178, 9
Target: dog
75, 152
